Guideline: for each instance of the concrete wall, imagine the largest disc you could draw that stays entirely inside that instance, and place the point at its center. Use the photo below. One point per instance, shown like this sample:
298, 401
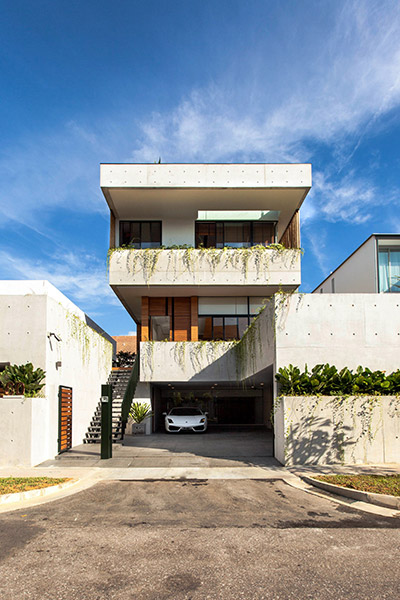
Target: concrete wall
345, 330
187, 361
330, 430
30, 313
357, 274
201, 267
24, 431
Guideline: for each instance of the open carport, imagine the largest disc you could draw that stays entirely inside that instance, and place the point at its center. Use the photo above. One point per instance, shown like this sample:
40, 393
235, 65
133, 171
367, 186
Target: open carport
228, 407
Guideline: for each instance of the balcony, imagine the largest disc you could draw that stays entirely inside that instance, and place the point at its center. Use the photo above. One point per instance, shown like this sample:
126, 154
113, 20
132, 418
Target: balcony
258, 266
215, 361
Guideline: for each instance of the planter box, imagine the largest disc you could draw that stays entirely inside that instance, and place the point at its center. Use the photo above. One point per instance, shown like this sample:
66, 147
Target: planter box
138, 428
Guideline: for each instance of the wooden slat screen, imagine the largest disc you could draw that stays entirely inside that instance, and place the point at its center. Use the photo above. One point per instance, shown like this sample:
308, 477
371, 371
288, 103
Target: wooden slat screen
157, 307
291, 235
65, 418
182, 310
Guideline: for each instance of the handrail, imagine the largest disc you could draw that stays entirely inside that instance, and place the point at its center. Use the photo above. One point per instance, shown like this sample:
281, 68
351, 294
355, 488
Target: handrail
129, 395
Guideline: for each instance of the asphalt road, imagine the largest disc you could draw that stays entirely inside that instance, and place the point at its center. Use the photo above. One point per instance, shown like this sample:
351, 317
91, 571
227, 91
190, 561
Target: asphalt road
211, 539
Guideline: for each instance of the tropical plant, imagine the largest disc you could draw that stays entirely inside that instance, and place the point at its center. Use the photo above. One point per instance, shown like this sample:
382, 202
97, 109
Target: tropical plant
124, 359
327, 380
22, 379
139, 412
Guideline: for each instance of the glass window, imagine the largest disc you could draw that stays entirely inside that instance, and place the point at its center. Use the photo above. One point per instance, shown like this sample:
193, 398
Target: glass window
389, 270
218, 328
205, 328
263, 233
140, 234
237, 235
234, 234
160, 328
205, 235
231, 328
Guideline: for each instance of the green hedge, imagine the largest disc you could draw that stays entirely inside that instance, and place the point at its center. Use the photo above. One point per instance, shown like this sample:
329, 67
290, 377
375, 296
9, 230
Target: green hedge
326, 380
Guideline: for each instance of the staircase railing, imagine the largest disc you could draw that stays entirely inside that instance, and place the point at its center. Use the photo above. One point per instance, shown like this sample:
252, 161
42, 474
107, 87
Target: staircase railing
129, 395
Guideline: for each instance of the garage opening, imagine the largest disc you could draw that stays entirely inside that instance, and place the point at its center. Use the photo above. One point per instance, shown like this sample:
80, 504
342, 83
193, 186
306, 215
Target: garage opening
226, 407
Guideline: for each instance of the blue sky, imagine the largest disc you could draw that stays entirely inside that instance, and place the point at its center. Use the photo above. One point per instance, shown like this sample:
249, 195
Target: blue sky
191, 81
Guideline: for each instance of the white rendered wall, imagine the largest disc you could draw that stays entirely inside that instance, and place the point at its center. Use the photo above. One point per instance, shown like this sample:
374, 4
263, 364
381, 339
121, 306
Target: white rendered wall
357, 274
29, 312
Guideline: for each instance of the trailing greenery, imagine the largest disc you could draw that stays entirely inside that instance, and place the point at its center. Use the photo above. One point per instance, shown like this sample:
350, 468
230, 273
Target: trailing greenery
145, 260
22, 379
326, 380
139, 412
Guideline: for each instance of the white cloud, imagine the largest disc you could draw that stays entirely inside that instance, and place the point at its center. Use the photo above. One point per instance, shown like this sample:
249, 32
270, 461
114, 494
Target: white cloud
81, 277
348, 76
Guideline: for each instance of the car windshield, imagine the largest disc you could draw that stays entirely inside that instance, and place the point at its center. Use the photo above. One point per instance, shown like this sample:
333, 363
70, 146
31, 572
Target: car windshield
185, 412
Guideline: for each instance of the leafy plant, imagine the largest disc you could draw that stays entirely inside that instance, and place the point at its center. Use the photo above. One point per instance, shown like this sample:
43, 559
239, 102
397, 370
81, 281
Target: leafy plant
124, 359
325, 379
22, 379
139, 412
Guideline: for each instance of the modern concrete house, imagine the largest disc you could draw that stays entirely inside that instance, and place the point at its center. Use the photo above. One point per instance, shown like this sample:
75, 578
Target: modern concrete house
373, 267
206, 260
195, 251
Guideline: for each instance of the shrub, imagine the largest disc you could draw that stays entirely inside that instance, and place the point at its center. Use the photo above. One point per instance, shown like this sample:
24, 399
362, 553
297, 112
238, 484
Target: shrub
327, 380
139, 412
24, 379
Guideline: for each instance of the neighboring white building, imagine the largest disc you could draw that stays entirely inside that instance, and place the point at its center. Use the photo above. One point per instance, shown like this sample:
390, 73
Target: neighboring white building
38, 324
196, 251
373, 267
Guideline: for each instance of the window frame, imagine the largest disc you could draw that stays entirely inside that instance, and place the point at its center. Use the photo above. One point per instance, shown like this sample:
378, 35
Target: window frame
383, 250
223, 223
132, 221
223, 317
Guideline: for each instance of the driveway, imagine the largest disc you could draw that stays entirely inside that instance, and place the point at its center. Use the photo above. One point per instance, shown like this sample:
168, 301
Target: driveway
215, 448
219, 539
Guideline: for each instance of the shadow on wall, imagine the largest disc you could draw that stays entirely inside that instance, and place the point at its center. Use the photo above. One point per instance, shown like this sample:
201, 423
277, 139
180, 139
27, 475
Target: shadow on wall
317, 440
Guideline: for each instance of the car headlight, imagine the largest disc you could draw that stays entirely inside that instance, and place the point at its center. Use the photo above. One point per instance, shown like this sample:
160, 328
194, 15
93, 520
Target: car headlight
202, 420
170, 420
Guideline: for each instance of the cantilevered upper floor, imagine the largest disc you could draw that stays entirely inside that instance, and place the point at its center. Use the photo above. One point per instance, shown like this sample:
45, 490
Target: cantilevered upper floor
204, 229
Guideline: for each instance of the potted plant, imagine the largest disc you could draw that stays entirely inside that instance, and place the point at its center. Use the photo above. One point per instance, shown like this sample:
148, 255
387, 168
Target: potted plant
138, 414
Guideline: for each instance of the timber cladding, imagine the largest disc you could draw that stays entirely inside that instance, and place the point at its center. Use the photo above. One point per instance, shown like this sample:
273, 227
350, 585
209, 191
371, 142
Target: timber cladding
182, 319
64, 418
183, 314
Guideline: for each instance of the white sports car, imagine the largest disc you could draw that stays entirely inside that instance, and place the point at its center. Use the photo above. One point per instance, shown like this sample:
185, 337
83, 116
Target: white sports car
185, 419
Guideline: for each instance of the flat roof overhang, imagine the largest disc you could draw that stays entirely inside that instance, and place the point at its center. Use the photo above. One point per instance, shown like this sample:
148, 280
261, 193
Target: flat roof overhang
131, 296
157, 191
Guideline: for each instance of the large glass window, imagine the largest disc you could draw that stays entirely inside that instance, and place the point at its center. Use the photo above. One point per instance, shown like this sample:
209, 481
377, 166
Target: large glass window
234, 234
222, 328
140, 234
389, 270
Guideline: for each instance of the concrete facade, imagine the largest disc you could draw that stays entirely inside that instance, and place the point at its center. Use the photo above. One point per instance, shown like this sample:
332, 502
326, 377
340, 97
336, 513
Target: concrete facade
333, 430
40, 325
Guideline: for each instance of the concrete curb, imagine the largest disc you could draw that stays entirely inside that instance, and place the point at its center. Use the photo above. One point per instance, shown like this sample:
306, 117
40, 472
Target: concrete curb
47, 491
378, 499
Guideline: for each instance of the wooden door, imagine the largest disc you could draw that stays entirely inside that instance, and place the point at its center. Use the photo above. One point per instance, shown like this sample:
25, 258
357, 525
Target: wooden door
65, 418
